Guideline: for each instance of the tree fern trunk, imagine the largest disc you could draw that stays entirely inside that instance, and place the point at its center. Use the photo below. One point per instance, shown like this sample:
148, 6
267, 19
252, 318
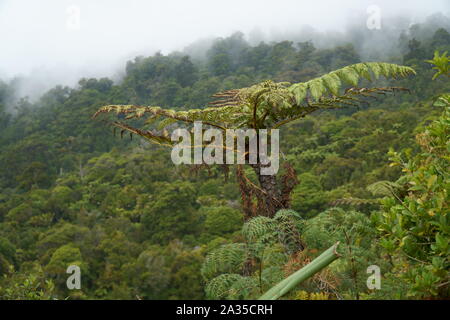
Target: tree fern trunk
270, 195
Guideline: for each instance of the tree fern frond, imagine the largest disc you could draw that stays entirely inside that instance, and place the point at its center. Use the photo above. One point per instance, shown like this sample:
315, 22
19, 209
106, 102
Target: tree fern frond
267, 104
331, 83
243, 288
282, 229
274, 255
219, 287
229, 258
257, 227
384, 188
285, 214
288, 233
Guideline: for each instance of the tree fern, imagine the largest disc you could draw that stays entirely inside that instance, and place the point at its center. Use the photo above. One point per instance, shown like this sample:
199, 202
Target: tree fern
268, 244
266, 105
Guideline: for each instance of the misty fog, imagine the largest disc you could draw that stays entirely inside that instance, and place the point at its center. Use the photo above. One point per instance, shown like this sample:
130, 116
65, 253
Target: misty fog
45, 43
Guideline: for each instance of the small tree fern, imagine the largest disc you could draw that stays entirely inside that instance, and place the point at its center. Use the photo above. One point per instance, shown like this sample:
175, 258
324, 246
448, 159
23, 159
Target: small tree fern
246, 270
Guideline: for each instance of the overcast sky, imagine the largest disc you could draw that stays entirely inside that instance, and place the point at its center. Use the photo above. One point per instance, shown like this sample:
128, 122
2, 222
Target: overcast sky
44, 37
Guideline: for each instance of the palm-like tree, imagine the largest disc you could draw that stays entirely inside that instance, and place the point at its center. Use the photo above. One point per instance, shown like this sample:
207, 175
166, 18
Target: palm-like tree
266, 105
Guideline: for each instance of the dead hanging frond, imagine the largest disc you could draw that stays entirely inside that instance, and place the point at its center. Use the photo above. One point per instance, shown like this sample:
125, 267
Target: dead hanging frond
226, 171
288, 181
248, 193
160, 119
256, 201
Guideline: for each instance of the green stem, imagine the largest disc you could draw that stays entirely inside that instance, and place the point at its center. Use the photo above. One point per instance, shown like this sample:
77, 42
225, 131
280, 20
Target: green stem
301, 275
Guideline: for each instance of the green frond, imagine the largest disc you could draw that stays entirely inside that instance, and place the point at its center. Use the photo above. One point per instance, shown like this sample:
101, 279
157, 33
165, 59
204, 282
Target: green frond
282, 228
299, 91
317, 88
257, 227
331, 83
243, 288
348, 75
274, 255
220, 287
271, 275
384, 188
229, 258
286, 214
288, 234
267, 104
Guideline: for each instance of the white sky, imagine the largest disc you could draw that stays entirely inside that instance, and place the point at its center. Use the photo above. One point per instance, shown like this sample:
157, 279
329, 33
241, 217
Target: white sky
35, 38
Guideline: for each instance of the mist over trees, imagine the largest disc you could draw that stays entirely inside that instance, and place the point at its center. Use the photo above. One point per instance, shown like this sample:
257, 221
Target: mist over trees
389, 43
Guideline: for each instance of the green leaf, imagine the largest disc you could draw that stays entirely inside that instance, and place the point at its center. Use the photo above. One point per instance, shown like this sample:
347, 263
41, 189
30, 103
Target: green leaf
332, 83
349, 75
299, 91
317, 88
431, 181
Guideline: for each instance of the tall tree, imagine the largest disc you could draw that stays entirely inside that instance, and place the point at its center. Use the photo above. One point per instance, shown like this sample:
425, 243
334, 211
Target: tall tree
266, 105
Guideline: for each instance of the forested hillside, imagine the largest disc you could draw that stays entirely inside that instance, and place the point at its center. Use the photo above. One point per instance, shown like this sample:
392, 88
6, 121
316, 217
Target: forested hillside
73, 192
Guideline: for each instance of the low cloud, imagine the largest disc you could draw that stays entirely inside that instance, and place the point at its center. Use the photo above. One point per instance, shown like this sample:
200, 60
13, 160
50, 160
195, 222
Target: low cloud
48, 42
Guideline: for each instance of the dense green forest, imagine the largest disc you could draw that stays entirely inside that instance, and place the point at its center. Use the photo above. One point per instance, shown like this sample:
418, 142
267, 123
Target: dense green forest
374, 177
